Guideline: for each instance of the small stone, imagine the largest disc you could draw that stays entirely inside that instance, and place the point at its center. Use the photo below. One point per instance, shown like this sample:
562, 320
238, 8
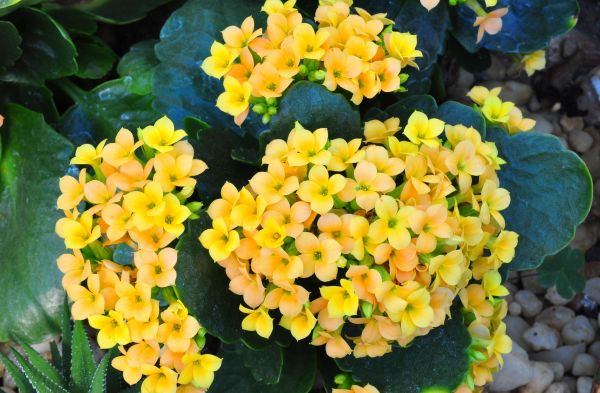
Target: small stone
515, 327
554, 297
517, 371
569, 124
594, 350
556, 316
517, 92
569, 47
530, 304
584, 365
585, 237
592, 288
581, 141
534, 104
558, 387
578, 330
584, 384
565, 355
542, 124
542, 378
541, 337
515, 309
592, 161
558, 369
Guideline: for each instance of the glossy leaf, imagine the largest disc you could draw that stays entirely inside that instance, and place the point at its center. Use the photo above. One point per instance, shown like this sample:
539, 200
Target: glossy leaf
454, 113
138, 64
119, 11
48, 52
551, 193
94, 57
265, 364
30, 283
438, 359
73, 20
528, 26
10, 45
406, 106
563, 271
38, 98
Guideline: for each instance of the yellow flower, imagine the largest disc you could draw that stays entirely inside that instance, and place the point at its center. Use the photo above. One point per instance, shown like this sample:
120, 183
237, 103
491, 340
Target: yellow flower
319, 256
465, 163
500, 344
220, 241
377, 131
533, 62
71, 191
122, 150
156, 269
271, 235
301, 325
473, 298
448, 268
344, 153
391, 299
75, 268
78, 232
504, 246
87, 301
134, 301
319, 189
516, 122
248, 212
220, 60
492, 284
100, 194
342, 300
118, 220
493, 200
391, 223
478, 94
159, 380
495, 110
290, 299
418, 312
420, 129
257, 321
173, 215
308, 147
199, 369
177, 171
162, 135
147, 330
403, 46
88, 155
145, 205
273, 184
178, 328
235, 100
341, 70
307, 43
367, 186
136, 356
113, 329
240, 37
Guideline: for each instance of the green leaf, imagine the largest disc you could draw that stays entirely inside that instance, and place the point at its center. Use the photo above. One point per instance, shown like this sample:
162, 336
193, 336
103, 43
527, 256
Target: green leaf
83, 365
123, 254
406, 106
314, 107
214, 147
119, 11
265, 364
40, 382
67, 340
38, 98
40, 364
73, 20
528, 26
551, 193
102, 111
563, 271
7, 6
438, 359
48, 52
204, 286
95, 58
17, 375
139, 64
456, 113
34, 157
98, 383
181, 87
297, 375
10, 44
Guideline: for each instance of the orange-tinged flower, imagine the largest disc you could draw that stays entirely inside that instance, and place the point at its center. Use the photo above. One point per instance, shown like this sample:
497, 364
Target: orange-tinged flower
490, 23
199, 369
220, 61
248, 211
257, 321
388, 72
363, 237
368, 184
332, 226
290, 300
342, 300
291, 217
266, 81
421, 129
402, 46
448, 268
473, 298
249, 286
369, 86
344, 154
341, 70
308, 147
162, 135
365, 281
134, 358
145, 205
235, 100
177, 171
377, 131
220, 241
100, 194
319, 189
358, 389
153, 239
430, 4
71, 191
493, 200
319, 256
273, 184
156, 269
118, 220
379, 156
145, 331
221, 208
285, 59
309, 44
79, 231
178, 328
335, 345
159, 380
465, 163
240, 37
242, 70
131, 176
88, 300
392, 222
112, 329
88, 154
74, 267
429, 225
332, 14
134, 301
122, 150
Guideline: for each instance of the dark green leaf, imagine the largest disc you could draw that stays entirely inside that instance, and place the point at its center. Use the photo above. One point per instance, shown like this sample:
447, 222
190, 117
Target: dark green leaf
438, 359
83, 365
73, 20
30, 281
98, 383
48, 52
10, 45
528, 26
297, 375
17, 375
313, 106
119, 11
264, 364
94, 57
39, 381
406, 106
35, 97
101, 112
56, 356
7, 6
454, 113
180, 86
139, 64
123, 254
563, 271
39, 363
204, 286
551, 193
67, 338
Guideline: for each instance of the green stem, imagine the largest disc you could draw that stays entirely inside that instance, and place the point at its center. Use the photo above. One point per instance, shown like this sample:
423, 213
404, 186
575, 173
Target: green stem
474, 5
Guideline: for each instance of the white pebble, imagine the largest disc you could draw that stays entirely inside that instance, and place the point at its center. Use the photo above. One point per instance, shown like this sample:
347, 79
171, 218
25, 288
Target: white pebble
592, 288
514, 308
558, 387
584, 385
553, 297
594, 350
578, 330
558, 369
556, 316
585, 365
530, 304
542, 378
541, 337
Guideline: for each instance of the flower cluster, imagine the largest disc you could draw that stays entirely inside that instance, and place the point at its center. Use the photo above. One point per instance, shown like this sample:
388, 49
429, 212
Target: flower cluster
364, 240
131, 195
503, 113
358, 53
